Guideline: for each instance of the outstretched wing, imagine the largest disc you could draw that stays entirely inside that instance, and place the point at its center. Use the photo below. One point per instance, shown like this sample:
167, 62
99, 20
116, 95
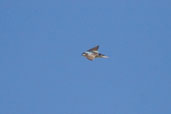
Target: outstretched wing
94, 49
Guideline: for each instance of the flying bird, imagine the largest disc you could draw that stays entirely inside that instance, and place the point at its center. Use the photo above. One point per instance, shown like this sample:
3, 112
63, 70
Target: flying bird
93, 53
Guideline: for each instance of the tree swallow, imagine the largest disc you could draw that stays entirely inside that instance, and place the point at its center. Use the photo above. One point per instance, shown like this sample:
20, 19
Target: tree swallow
93, 53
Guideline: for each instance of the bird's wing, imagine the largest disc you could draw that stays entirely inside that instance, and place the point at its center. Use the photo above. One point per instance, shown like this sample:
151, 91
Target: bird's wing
94, 49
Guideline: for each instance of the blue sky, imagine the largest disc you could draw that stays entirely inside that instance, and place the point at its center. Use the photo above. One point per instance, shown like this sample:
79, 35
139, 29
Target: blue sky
42, 70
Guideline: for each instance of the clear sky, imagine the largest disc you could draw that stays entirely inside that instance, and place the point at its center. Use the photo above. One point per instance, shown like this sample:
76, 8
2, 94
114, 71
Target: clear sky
42, 70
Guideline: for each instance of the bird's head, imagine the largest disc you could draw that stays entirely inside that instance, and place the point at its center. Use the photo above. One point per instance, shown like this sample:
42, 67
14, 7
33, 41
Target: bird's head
84, 54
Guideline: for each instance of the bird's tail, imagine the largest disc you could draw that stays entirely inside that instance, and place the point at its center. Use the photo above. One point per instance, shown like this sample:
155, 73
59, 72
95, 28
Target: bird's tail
103, 56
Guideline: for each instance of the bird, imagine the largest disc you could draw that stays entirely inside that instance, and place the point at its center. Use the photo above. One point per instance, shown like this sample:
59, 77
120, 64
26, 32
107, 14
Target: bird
93, 53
